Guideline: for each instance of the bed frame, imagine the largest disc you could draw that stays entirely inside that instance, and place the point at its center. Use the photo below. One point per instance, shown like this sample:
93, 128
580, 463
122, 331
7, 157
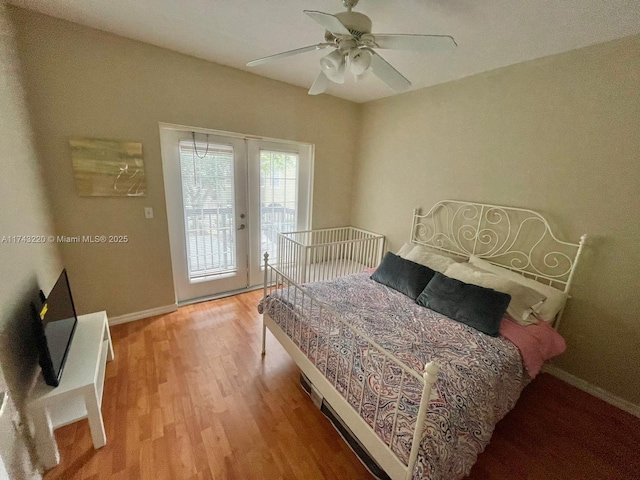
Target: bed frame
518, 239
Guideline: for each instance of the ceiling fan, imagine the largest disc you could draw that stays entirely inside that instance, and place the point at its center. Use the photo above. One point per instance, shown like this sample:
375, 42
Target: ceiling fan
349, 34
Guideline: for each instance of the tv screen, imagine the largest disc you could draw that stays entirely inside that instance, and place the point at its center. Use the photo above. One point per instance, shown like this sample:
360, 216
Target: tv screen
55, 325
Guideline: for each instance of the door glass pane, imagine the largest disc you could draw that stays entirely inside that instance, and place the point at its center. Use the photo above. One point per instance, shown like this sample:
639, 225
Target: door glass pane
278, 197
209, 209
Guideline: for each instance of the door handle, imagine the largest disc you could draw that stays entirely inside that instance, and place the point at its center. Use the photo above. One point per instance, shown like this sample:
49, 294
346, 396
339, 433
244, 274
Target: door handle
242, 227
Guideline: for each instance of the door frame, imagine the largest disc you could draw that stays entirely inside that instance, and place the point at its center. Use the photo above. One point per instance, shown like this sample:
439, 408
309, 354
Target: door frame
174, 208
186, 290
304, 205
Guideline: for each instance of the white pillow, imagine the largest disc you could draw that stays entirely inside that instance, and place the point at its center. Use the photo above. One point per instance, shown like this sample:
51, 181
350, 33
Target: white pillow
524, 300
405, 249
555, 298
424, 256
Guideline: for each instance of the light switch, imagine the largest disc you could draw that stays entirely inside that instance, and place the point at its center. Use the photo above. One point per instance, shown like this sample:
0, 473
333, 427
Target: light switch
148, 212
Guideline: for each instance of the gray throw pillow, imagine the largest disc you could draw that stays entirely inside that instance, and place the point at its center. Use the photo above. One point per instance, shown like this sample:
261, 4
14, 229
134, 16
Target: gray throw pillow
403, 275
478, 307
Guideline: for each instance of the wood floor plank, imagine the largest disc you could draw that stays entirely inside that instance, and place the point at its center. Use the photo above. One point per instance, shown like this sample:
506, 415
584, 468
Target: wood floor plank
189, 397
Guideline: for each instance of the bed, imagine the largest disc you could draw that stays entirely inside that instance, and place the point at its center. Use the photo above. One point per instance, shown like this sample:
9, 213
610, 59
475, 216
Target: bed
420, 391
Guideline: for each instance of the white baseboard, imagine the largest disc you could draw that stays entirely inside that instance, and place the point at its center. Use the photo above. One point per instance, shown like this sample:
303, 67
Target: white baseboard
602, 394
130, 317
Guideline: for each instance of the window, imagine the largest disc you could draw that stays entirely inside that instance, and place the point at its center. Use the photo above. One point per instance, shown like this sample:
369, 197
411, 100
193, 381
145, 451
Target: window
209, 208
278, 197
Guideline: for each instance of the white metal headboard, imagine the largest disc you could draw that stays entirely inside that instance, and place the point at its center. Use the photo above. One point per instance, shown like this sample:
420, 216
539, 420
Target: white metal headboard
518, 239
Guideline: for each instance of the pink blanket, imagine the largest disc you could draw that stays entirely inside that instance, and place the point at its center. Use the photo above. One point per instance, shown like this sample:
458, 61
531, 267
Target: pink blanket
537, 343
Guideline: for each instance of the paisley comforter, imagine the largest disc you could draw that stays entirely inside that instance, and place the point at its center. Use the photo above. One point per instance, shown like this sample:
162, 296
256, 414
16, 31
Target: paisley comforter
480, 377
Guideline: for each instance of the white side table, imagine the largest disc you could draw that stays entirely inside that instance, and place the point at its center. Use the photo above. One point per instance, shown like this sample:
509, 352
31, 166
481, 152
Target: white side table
79, 394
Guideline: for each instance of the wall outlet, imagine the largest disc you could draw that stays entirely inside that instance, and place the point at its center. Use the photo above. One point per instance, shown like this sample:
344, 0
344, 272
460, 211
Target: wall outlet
148, 212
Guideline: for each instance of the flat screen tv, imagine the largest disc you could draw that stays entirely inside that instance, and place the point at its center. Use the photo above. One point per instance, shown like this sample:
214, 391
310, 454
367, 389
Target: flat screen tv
54, 325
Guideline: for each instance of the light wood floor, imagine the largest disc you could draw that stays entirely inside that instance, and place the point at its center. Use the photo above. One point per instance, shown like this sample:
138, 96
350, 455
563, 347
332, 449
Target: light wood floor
190, 397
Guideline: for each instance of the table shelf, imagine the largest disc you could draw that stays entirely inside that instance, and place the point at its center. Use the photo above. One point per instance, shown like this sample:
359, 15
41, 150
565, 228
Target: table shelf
79, 394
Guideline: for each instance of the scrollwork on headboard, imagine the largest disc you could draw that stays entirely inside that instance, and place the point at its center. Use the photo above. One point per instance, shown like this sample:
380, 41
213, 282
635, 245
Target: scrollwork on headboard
515, 238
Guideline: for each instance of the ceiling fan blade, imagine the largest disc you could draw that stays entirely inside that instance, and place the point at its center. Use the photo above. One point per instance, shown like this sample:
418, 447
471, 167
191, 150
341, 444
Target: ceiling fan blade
319, 85
389, 75
331, 23
310, 48
417, 43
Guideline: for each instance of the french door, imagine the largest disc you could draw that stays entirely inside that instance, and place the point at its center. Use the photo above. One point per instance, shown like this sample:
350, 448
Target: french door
227, 199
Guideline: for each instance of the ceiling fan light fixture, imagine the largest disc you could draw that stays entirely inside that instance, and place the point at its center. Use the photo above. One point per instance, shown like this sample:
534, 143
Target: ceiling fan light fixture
359, 61
333, 66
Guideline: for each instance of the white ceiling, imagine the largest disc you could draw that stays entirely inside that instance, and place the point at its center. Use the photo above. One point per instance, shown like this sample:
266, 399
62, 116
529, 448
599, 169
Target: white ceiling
490, 34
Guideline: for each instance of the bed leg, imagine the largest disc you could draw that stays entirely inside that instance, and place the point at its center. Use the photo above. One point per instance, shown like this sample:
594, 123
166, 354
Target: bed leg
430, 374
264, 337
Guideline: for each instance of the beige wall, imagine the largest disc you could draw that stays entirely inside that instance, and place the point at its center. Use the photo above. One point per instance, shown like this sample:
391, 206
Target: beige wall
560, 135
23, 267
87, 83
